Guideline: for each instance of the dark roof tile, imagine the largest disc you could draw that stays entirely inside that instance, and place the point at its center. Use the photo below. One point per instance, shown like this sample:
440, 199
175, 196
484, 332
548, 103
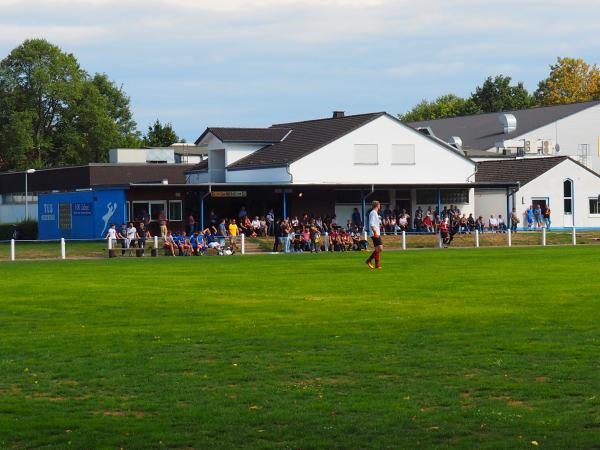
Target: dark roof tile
515, 170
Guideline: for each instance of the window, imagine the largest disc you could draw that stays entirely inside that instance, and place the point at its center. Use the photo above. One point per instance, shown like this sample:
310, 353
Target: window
455, 196
152, 208
568, 196
366, 154
175, 213
403, 154
64, 216
595, 205
427, 196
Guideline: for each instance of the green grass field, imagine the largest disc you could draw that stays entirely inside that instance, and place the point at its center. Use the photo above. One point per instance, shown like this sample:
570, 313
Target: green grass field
487, 348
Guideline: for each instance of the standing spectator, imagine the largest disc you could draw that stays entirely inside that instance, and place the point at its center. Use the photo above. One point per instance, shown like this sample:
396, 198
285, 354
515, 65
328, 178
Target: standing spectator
131, 235
546, 214
242, 213
501, 224
514, 220
277, 233
356, 219
479, 224
233, 228
111, 235
222, 232
191, 224
145, 218
142, 235
529, 214
537, 214
162, 222
270, 222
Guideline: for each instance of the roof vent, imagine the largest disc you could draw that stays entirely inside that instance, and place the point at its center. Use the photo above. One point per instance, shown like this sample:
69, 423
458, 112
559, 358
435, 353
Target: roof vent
455, 141
509, 122
338, 114
427, 131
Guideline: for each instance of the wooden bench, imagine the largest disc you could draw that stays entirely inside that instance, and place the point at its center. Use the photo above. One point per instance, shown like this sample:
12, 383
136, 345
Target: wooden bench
138, 251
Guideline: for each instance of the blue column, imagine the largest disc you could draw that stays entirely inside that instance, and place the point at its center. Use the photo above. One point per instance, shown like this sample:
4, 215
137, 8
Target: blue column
364, 207
202, 212
284, 205
507, 218
440, 203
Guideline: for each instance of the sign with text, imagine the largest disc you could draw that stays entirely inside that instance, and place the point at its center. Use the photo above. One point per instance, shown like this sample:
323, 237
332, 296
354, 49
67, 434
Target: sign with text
82, 209
228, 194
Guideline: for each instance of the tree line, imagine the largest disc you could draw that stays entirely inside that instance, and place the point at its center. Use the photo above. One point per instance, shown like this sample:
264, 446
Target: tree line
53, 113
570, 80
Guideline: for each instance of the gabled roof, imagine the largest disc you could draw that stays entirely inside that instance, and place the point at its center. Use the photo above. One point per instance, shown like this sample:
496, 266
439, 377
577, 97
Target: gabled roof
304, 138
522, 170
259, 135
482, 131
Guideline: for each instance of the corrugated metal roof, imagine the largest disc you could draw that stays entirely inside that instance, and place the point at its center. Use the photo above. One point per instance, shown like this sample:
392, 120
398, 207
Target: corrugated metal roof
482, 131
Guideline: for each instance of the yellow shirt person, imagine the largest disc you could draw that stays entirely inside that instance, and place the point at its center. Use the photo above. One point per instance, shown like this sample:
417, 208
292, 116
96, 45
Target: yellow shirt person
233, 228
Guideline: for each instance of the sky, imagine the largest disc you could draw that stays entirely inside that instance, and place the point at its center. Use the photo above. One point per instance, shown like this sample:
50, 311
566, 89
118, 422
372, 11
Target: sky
252, 63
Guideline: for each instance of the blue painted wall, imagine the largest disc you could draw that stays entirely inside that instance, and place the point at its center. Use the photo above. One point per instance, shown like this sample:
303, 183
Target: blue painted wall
91, 213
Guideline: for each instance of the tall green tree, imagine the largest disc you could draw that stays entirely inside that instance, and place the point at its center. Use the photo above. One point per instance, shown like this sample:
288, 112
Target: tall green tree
160, 135
449, 105
52, 112
570, 80
496, 94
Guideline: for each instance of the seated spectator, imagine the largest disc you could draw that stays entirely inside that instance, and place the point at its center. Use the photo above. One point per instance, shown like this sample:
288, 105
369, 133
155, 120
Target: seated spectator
169, 243
463, 224
493, 224
256, 231
427, 223
501, 224
479, 225
403, 222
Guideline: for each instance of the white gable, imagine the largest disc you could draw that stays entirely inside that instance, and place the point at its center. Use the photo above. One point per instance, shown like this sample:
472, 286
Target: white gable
382, 152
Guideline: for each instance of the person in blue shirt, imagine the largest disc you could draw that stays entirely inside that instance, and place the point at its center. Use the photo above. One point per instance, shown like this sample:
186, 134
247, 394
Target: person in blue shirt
529, 214
539, 218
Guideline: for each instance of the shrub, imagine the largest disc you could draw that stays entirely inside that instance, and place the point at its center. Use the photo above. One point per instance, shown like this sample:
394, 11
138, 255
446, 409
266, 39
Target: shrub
27, 229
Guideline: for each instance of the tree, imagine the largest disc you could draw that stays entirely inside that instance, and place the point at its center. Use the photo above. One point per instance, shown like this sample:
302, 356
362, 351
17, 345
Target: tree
160, 135
496, 94
52, 112
449, 105
570, 80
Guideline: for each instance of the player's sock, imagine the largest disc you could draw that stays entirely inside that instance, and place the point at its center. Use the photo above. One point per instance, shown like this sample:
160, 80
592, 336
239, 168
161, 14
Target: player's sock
377, 264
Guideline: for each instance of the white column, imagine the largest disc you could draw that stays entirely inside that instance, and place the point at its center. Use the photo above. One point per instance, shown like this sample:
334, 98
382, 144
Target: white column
403, 240
243, 237
440, 243
477, 238
155, 242
63, 249
12, 249
544, 236
509, 234
574, 236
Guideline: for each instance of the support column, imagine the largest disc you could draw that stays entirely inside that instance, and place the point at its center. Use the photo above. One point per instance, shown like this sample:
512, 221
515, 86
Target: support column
284, 204
439, 202
202, 212
364, 208
507, 218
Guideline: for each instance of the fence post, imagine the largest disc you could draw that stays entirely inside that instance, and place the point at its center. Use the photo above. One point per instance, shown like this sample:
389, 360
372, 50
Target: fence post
509, 237
12, 249
574, 237
440, 242
110, 244
155, 242
476, 238
63, 249
544, 236
403, 240
243, 236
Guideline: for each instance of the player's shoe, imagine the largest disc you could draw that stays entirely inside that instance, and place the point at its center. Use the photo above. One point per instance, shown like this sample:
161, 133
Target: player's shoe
370, 264
379, 267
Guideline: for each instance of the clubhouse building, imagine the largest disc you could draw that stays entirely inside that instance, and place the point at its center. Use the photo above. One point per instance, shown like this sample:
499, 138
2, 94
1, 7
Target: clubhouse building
322, 167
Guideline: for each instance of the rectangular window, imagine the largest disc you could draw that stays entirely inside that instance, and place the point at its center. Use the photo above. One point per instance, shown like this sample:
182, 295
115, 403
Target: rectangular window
64, 216
594, 204
403, 154
139, 210
455, 196
157, 207
366, 154
427, 196
175, 210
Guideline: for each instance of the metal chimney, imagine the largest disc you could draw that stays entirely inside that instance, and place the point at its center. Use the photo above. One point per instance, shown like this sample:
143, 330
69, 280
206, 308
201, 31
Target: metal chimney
338, 114
509, 123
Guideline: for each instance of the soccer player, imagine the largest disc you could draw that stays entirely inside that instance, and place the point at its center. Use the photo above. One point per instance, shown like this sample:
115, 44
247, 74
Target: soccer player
374, 232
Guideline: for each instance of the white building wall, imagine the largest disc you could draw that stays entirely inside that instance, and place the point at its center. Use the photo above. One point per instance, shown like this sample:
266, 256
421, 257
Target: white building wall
269, 175
13, 213
334, 163
488, 202
550, 185
580, 128
237, 151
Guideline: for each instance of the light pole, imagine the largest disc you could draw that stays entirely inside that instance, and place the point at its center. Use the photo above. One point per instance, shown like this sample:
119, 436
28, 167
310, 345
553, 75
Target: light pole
27, 172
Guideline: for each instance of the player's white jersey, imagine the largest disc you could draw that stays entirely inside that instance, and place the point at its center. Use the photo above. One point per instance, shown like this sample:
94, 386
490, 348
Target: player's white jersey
374, 223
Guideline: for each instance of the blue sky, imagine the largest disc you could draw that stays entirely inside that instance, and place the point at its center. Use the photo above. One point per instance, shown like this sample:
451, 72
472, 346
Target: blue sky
256, 62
